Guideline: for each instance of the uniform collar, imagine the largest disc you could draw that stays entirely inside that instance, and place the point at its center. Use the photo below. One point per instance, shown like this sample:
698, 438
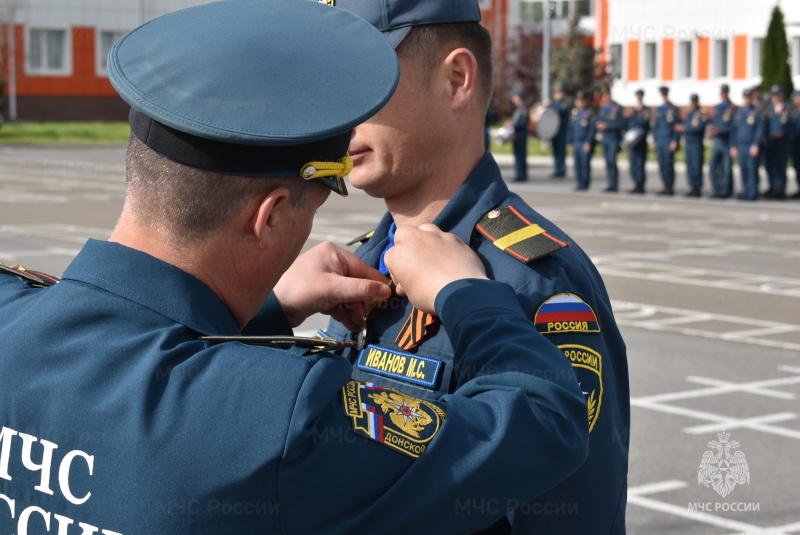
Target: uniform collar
154, 284
482, 191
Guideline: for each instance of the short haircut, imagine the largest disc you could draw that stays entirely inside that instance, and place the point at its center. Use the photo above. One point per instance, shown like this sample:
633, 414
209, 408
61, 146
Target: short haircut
188, 204
427, 45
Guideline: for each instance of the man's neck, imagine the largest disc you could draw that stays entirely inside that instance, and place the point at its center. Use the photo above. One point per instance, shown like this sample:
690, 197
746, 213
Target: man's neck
222, 273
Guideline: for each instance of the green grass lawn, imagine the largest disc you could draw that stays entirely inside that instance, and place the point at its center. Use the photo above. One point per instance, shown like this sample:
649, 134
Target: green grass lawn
25, 133
64, 132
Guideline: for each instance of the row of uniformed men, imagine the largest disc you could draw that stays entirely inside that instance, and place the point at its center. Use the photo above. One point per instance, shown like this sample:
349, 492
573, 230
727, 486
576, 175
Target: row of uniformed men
757, 133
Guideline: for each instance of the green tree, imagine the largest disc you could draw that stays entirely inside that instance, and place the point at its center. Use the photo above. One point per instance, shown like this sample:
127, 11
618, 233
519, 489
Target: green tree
775, 55
573, 62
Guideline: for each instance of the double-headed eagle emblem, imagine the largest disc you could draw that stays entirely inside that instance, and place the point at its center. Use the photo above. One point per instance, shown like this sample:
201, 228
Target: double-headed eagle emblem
722, 468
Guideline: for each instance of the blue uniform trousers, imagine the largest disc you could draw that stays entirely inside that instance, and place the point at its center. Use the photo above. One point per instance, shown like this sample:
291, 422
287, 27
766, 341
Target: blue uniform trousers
637, 155
694, 161
583, 168
748, 166
777, 159
721, 168
666, 163
521, 155
796, 160
560, 154
610, 151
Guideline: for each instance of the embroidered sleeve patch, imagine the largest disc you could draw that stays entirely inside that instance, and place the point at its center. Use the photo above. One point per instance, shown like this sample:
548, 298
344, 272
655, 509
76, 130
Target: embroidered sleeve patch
404, 423
588, 367
510, 232
565, 313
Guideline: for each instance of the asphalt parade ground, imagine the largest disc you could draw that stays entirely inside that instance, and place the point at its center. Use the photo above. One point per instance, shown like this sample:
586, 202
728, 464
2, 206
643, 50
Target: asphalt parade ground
707, 293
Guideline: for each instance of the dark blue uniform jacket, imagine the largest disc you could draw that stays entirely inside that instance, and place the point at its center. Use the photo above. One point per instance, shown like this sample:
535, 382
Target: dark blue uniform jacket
565, 298
114, 416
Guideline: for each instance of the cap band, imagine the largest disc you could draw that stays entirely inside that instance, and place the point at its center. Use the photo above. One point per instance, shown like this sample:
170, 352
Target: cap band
235, 159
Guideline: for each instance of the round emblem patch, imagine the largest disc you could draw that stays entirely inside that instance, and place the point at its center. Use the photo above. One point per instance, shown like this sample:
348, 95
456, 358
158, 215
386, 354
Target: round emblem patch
588, 367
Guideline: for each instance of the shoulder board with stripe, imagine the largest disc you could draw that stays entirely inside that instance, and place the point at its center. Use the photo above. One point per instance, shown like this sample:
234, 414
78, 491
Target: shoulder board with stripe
363, 238
510, 232
35, 279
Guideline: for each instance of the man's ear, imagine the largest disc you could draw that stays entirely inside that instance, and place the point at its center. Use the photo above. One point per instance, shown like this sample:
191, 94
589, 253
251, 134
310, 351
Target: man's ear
462, 72
271, 212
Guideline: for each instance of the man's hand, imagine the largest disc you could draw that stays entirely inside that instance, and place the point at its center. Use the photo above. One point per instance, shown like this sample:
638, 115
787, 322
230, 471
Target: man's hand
673, 146
424, 260
754, 151
333, 281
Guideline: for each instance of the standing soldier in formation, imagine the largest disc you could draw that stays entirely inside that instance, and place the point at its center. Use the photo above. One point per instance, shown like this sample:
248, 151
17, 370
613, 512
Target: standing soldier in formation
763, 154
721, 165
559, 142
796, 141
581, 138
694, 129
637, 152
610, 122
519, 122
666, 141
778, 131
747, 132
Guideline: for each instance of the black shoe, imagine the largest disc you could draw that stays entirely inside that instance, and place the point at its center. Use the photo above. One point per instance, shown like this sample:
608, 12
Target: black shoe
638, 188
777, 194
795, 195
610, 190
520, 180
721, 196
558, 175
743, 197
581, 188
694, 192
667, 190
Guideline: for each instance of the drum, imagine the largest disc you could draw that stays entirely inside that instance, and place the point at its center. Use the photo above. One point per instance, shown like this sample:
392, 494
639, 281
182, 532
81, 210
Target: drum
548, 121
544, 123
632, 137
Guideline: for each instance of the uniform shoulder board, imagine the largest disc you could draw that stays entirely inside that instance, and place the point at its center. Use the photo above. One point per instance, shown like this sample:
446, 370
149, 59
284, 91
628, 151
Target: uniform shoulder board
510, 232
363, 238
34, 279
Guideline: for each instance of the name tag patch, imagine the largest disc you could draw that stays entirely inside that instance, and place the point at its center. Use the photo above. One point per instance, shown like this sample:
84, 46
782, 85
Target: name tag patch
412, 369
401, 422
565, 313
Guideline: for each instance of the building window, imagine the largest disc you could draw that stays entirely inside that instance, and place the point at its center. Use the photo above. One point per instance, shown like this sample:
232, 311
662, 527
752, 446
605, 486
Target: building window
47, 51
756, 56
650, 60
614, 67
533, 10
106, 40
721, 58
685, 58
583, 8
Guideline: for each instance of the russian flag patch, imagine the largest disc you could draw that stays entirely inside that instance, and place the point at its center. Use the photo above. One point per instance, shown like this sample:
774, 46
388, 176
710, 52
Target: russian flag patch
566, 313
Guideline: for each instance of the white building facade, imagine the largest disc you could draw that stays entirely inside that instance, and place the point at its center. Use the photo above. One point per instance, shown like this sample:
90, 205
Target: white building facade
690, 46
